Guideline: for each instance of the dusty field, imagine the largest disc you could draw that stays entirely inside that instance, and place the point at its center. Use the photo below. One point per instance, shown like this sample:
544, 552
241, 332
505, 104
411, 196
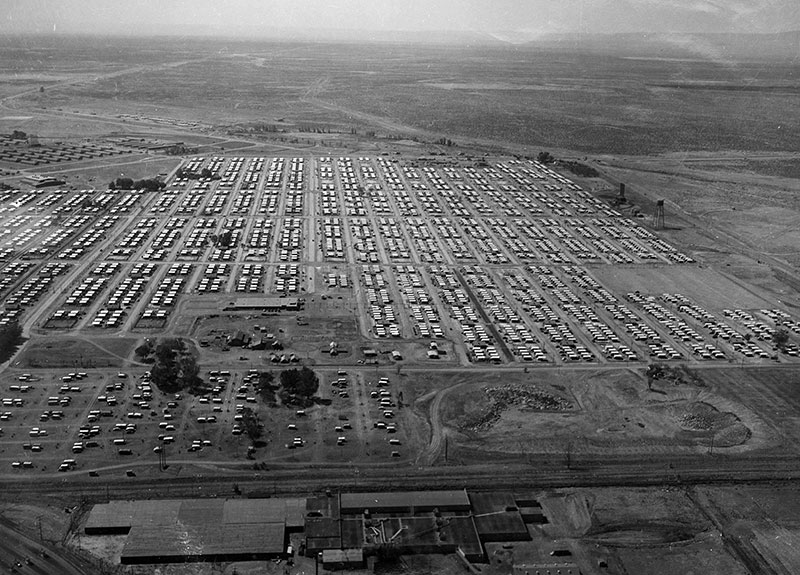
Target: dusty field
66, 352
705, 286
590, 103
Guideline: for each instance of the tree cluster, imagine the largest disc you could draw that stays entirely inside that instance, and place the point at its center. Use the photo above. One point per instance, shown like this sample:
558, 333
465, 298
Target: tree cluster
18, 135
314, 129
676, 375
251, 425
204, 173
150, 184
780, 337
174, 367
223, 240
298, 386
10, 339
255, 128
265, 387
179, 150
580, 169
545, 158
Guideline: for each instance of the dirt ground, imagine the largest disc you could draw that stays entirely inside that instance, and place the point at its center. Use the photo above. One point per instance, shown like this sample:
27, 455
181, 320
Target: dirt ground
707, 287
75, 352
610, 411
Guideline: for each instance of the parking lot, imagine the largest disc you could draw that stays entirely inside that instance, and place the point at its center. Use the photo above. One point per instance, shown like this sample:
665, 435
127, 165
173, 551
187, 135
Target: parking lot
506, 263
496, 258
105, 421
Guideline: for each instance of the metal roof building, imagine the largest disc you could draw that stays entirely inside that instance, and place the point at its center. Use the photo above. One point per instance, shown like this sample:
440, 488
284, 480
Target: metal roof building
166, 531
404, 501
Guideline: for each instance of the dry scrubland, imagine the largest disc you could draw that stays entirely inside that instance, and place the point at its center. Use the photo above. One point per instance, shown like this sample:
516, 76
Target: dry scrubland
525, 95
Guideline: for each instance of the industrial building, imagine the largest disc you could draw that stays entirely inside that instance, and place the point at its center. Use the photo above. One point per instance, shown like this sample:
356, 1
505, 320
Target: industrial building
344, 530
414, 522
170, 531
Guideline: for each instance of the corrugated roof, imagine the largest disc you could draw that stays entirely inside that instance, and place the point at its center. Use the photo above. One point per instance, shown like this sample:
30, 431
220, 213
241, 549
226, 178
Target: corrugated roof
199, 511
198, 540
117, 515
291, 511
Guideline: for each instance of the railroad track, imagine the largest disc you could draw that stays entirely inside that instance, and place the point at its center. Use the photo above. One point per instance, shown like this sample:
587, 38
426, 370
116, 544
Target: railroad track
543, 474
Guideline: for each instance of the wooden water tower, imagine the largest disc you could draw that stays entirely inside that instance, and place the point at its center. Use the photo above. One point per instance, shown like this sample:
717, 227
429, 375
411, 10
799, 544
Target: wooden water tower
659, 216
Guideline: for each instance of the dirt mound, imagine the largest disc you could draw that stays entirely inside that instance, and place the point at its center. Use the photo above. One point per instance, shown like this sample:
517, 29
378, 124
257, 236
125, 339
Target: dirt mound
724, 428
735, 434
701, 416
641, 534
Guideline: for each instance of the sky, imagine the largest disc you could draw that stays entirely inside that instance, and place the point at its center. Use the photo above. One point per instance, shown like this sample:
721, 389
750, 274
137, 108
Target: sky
509, 20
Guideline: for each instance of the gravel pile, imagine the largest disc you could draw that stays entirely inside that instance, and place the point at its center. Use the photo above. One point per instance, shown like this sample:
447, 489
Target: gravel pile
696, 422
502, 397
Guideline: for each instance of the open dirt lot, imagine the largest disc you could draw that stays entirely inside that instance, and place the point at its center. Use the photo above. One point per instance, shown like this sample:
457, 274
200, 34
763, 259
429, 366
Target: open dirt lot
708, 287
609, 412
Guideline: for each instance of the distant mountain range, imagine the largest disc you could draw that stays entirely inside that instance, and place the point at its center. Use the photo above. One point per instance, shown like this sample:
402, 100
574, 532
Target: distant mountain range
698, 45
695, 45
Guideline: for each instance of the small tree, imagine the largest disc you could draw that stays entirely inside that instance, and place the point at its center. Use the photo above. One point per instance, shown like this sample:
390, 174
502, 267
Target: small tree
144, 350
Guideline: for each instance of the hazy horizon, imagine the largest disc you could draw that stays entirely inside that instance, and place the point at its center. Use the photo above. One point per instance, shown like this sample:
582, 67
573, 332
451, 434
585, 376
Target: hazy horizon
504, 20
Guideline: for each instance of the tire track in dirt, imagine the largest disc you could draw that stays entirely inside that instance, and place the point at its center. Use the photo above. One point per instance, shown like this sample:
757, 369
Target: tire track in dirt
438, 432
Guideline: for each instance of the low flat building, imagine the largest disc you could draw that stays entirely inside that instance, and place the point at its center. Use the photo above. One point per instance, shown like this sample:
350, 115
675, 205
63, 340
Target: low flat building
269, 304
38, 181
